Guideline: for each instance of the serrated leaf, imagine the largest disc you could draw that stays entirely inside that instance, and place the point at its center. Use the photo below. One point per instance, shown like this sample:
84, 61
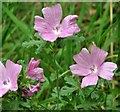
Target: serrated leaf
55, 94
71, 81
31, 43
77, 38
87, 105
25, 104
39, 43
67, 90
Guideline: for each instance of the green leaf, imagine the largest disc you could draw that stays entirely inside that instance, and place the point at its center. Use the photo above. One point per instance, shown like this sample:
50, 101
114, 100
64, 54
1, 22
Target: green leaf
87, 105
31, 43
65, 91
78, 38
71, 81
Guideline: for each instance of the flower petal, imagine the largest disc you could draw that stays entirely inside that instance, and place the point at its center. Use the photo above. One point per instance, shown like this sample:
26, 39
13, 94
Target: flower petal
3, 75
34, 88
41, 25
78, 70
89, 80
36, 74
3, 91
106, 70
33, 64
27, 93
49, 36
69, 26
53, 15
98, 55
83, 58
13, 71
45, 30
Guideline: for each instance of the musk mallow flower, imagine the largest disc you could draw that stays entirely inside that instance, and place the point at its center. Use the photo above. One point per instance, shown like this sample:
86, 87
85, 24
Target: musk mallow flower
8, 77
91, 66
49, 27
31, 91
35, 72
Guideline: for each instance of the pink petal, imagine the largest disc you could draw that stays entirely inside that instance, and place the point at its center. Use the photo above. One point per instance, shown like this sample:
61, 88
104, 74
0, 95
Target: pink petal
106, 70
89, 80
83, 58
35, 88
44, 29
3, 91
69, 26
49, 36
41, 25
53, 15
3, 75
33, 64
27, 93
98, 55
78, 70
36, 74
13, 71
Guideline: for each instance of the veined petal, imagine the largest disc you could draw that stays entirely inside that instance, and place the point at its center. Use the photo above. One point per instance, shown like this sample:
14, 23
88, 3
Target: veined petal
13, 71
34, 88
106, 70
49, 36
53, 15
41, 25
97, 55
78, 70
83, 58
89, 80
33, 64
36, 74
3, 75
69, 26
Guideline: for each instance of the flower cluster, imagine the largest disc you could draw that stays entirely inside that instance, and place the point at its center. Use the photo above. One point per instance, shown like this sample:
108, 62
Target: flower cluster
35, 73
91, 64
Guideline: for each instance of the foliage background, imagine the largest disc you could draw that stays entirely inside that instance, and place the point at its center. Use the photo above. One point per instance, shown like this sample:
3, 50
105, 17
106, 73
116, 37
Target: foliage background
20, 42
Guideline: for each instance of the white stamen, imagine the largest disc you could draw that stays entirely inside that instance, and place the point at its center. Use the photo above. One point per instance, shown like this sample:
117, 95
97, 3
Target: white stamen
56, 32
7, 85
94, 70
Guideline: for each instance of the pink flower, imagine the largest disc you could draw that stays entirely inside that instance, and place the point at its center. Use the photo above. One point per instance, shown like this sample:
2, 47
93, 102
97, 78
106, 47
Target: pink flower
49, 27
91, 65
8, 77
35, 72
31, 91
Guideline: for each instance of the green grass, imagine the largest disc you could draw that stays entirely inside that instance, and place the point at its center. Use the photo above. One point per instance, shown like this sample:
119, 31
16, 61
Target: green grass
20, 42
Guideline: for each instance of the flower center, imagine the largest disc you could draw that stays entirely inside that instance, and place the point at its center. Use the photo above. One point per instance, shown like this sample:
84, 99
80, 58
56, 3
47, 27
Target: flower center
6, 84
93, 69
56, 31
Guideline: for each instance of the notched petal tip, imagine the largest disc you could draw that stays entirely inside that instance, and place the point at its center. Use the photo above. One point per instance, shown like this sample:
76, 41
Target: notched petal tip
74, 16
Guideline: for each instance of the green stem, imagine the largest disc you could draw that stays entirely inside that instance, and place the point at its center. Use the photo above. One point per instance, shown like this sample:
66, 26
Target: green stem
44, 107
92, 90
57, 77
57, 90
64, 73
